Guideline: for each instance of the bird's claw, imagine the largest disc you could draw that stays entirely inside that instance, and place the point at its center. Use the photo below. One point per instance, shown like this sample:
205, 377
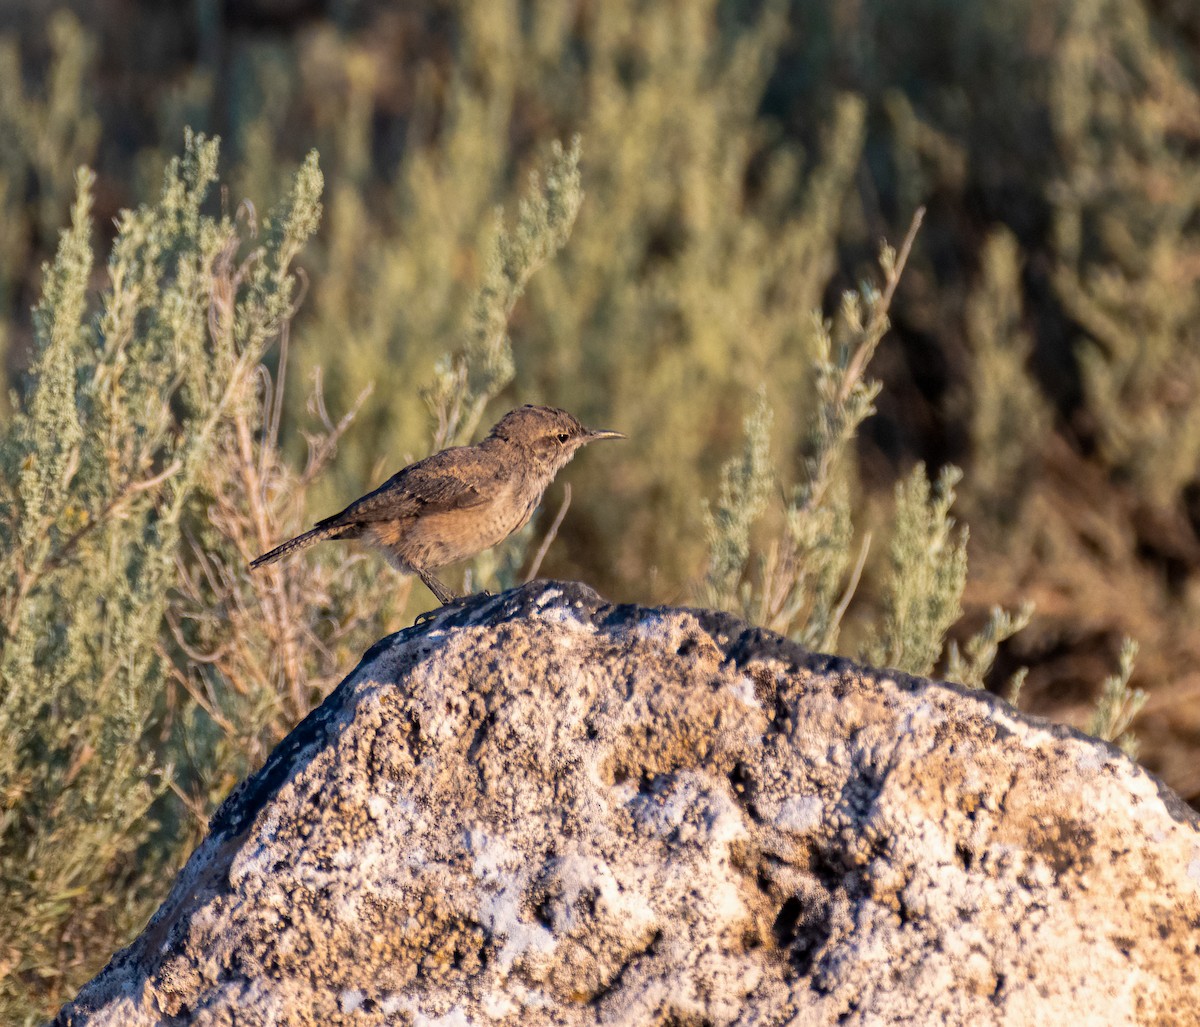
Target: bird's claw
426, 616
451, 603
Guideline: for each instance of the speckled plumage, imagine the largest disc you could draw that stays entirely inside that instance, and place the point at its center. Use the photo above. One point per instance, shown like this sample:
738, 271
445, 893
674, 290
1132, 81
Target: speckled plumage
460, 501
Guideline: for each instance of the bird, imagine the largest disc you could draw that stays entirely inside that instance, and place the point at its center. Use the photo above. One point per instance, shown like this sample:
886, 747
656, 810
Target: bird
459, 501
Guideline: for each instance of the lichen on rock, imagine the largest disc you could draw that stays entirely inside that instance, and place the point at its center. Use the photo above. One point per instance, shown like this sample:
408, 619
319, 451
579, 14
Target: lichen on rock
541, 808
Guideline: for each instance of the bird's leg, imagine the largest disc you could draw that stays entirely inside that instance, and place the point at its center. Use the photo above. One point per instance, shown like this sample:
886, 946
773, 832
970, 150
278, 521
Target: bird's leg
444, 595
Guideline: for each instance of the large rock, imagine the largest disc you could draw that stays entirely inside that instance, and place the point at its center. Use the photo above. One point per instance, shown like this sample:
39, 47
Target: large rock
544, 809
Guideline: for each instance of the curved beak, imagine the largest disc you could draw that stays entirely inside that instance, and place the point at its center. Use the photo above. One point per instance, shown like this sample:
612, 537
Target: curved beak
595, 434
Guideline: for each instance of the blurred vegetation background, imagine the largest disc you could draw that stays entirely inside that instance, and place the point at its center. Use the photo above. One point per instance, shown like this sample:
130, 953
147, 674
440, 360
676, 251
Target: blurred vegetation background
703, 275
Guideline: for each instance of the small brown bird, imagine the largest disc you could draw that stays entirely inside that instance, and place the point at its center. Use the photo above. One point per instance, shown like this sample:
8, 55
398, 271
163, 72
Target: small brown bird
460, 501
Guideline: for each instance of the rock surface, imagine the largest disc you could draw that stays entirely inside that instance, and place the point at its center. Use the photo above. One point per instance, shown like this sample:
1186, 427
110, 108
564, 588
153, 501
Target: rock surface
544, 809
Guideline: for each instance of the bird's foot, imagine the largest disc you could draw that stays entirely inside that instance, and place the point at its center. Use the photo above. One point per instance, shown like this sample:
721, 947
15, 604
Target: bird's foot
453, 602
427, 616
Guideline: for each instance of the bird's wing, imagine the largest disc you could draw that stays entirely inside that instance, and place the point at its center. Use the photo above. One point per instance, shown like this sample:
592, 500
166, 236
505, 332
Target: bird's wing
453, 479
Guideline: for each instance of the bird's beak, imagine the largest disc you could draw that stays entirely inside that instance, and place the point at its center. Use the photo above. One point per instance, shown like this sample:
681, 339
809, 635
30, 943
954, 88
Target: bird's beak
594, 434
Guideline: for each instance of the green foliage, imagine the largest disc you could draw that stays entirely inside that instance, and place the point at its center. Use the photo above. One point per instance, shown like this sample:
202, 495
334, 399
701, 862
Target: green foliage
927, 572
802, 571
465, 385
1127, 238
48, 132
1013, 692
1009, 417
798, 588
104, 461
44, 135
745, 488
971, 664
1119, 704
674, 299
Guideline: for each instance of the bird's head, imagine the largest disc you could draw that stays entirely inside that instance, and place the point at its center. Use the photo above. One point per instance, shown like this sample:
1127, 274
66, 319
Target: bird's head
548, 435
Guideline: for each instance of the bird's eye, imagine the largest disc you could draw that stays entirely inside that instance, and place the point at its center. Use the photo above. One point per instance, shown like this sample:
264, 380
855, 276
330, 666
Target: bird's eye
563, 437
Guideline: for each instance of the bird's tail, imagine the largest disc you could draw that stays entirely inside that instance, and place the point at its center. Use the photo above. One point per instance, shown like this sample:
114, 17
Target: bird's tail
309, 538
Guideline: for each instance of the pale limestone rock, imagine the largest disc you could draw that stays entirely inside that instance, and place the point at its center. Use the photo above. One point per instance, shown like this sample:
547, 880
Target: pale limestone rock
543, 809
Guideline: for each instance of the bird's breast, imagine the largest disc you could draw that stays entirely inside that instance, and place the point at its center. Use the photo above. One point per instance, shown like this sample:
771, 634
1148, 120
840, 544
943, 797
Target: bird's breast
435, 539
